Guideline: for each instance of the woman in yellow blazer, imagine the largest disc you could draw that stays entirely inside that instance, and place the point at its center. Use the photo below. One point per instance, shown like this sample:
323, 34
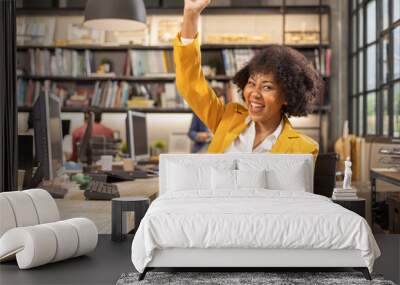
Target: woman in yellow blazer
278, 82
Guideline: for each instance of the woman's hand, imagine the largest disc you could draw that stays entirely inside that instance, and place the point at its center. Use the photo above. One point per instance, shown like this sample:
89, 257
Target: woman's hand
191, 13
195, 7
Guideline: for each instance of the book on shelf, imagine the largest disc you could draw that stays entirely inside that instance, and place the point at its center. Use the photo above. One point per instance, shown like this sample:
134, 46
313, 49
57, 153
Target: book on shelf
79, 34
63, 62
322, 61
28, 91
235, 59
163, 29
344, 194
35, 31
149, 63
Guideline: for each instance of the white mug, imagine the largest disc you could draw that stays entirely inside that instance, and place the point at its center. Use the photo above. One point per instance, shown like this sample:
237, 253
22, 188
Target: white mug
106, 162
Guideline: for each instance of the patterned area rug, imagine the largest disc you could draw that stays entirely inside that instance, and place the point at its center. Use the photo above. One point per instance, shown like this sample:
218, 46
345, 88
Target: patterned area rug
230, 278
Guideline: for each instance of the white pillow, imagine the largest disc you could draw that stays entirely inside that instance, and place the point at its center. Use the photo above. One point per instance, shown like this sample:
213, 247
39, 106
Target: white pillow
223, 179
183, 177
251, 178
281, 174
293, 179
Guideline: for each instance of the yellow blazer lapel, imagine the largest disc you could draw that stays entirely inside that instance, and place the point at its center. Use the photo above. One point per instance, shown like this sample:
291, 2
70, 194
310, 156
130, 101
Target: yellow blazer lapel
241, 118
283, 143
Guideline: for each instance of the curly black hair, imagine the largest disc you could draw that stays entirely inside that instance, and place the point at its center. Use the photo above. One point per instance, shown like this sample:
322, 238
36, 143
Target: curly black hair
296, 77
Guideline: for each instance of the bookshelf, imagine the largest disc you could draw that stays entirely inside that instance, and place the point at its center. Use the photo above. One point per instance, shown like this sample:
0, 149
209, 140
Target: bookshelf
164, 78
204, 47
212, 55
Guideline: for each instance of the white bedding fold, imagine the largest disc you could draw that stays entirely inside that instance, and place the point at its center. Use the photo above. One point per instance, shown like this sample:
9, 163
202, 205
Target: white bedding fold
250, 219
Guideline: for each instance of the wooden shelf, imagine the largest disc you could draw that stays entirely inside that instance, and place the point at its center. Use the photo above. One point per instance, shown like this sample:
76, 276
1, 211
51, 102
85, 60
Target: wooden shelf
204, 47
116, 110
144, 110
272, 9
166, 78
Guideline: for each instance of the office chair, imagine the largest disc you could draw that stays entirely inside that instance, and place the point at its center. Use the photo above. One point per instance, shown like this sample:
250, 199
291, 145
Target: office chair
325, 174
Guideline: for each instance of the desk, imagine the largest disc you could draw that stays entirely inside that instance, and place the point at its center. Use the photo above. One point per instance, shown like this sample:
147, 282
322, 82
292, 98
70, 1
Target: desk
387, 175
75, 205
140, 187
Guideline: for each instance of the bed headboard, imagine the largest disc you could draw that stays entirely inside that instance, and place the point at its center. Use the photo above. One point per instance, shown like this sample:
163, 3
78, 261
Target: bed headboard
283, 163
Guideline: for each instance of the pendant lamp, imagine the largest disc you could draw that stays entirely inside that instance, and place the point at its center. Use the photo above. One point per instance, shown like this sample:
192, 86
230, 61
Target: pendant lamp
115, 15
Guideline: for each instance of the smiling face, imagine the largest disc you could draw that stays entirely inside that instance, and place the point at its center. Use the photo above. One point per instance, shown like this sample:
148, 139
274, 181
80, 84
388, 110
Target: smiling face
263, 98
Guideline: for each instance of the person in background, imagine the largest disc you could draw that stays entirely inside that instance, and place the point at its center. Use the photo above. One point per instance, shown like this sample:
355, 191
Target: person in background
98, 130
199, 134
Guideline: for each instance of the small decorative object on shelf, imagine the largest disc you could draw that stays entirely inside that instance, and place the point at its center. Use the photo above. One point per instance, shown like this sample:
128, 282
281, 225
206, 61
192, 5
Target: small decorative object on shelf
346, 192
347, 174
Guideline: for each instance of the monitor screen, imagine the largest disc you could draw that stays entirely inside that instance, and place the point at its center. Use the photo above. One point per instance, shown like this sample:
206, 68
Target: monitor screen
55, 133
48, 138
137, 135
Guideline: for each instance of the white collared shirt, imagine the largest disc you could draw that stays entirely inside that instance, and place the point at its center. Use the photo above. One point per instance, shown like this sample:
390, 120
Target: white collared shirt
245, 141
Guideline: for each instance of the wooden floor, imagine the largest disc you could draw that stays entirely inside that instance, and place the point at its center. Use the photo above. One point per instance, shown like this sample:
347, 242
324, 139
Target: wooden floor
110, 259
103, 266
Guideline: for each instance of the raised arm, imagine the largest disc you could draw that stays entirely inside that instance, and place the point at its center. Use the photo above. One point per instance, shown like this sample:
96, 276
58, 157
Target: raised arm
190, 79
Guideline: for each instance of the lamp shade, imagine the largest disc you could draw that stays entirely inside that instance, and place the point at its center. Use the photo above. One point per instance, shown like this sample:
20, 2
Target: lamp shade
115, 15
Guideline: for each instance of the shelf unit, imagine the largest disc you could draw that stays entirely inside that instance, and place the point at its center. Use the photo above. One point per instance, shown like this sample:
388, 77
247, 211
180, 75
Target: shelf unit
323, 109
117, 110
317, 109
164, 47
145, 79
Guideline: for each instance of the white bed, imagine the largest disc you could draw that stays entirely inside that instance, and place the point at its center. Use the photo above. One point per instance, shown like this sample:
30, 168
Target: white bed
221, 211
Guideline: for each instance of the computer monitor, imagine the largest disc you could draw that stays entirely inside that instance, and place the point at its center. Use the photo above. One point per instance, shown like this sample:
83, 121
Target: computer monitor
136, 134
66, 124
48, 138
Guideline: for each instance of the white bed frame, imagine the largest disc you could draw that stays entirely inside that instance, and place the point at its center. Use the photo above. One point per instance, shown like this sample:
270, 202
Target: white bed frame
251, 258
242, 259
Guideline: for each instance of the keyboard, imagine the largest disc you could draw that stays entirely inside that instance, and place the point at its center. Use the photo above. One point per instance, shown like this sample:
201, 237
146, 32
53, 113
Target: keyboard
98, 190
128, 175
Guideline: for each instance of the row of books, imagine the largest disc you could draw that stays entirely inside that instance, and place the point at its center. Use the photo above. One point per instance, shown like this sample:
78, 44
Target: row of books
104, 94
37, 32
66, 62
235, 59
322, 61
344, 194
29, 91
63, 62
149, 63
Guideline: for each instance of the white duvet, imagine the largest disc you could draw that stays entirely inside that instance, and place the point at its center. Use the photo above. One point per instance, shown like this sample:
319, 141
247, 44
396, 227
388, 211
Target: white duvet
250, 219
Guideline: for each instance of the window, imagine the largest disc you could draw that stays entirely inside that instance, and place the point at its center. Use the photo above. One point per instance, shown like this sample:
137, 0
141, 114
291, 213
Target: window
354, 75
371, 67
385, 52
371, 21
371, 113
396, 52
396, 110
360, 115
375, 68
354, 35
354, 110
385, 113
360, 73
360, 25
385, 14
396, 10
